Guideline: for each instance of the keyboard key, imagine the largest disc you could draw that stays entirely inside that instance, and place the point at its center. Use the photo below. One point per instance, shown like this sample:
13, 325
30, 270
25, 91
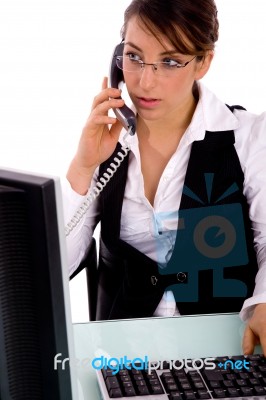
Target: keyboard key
175, 396
125, 378
180, 374
143, 390
244, 375
215, 384
219, 393
111, 383
171, 387
203, 394
189, 395
228, 384
259, 390
199, 385
257, 375
254, 382
129, 392
152, 375
141, 383
241, 382
136, 372
127, 385
115, 393
166, 375
254, 357
213, 375
154, 382
123, 372
169, 381
230, 377
107, 372
233, 392
185, 386
183, 380
246, 391
137, 378
157, 389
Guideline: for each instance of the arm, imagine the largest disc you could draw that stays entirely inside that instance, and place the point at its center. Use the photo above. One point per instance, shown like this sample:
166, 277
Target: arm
79, 238
254, 308
97, 142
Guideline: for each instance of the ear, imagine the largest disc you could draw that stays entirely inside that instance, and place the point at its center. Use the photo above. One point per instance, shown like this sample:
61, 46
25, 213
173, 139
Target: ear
204, 65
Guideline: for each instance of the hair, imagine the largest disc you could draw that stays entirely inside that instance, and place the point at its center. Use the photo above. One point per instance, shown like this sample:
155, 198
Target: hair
190, 25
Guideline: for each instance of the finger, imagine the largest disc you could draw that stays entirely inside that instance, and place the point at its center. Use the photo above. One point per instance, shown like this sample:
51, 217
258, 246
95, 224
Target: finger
104, 82
102, 120
105, 95
249, 341
263, 341
103, 108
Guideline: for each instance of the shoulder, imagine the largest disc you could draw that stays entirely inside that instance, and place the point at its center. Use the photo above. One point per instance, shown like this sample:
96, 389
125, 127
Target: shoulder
249, 128
252, 127
250, 143
220, 116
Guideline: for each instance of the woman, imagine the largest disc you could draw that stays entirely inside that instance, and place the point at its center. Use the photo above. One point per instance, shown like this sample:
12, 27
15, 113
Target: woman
190, 150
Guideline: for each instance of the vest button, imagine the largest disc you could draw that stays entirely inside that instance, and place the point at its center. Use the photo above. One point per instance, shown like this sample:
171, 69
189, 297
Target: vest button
154, 280
181, 276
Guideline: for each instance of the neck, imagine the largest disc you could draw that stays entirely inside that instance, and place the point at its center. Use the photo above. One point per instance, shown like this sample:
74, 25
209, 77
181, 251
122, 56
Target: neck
174, 123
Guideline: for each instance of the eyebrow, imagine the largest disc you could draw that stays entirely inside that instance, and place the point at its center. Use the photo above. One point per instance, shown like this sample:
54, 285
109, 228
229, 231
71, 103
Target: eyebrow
164, 53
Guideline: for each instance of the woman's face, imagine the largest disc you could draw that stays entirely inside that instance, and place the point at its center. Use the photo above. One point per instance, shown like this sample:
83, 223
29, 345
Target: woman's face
158, 97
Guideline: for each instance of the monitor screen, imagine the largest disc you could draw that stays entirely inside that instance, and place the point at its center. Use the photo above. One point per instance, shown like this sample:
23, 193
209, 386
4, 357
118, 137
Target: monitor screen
35, 321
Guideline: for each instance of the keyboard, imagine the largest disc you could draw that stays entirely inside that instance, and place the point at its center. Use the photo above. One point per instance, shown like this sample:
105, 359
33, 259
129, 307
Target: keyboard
237, 377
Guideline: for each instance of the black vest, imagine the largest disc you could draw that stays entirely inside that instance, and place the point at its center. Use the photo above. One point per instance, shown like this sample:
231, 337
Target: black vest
213, 265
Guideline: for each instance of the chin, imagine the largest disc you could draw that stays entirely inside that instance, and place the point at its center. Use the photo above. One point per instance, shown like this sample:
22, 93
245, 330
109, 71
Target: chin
150, 115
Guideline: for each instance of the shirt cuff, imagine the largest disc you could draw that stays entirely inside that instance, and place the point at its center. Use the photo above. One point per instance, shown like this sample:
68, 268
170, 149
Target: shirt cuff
249, 305
71, 200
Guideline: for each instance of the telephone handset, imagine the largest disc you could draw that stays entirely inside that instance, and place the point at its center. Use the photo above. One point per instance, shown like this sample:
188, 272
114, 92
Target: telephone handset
127, 117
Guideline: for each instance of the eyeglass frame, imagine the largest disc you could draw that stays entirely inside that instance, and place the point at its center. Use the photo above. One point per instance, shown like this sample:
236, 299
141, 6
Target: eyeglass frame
154, 65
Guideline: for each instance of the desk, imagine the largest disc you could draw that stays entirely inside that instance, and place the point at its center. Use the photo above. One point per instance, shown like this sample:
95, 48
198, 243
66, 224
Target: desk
158, 338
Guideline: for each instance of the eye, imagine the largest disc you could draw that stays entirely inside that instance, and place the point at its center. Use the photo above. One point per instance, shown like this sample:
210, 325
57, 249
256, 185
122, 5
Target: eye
133, 57
171, 63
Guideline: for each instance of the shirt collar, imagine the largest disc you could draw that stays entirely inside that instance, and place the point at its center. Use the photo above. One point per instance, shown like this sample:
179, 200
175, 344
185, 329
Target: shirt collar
211, 114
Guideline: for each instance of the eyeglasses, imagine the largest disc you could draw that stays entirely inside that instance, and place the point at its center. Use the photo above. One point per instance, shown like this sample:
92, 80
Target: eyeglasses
131, 63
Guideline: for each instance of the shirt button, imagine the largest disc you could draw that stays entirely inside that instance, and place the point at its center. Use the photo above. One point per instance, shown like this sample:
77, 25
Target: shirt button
166, 178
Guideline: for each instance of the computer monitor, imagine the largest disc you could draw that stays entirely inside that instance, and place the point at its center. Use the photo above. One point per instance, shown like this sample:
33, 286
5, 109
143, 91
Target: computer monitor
35, 321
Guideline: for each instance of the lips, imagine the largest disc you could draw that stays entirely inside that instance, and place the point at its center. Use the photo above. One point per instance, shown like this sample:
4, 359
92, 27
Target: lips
147, 102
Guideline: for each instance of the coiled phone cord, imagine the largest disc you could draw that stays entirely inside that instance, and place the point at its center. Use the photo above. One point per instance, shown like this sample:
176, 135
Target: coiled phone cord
98, 188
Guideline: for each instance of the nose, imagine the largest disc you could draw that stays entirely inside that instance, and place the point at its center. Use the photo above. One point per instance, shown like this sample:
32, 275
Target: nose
148, 77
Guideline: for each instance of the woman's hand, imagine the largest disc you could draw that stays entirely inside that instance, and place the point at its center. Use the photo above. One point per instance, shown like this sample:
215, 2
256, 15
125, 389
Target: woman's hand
255, 332
98, 140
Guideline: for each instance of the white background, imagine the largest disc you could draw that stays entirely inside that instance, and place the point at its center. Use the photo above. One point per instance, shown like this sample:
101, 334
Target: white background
54, 54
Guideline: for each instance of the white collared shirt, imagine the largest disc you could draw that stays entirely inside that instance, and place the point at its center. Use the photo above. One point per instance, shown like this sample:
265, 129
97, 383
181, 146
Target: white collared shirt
151, 229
